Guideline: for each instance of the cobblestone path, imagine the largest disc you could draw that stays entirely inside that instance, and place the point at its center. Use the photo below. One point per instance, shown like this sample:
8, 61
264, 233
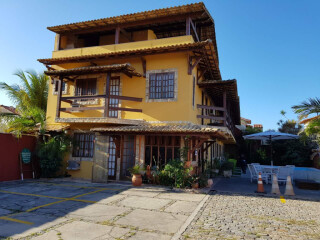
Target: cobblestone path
231, 216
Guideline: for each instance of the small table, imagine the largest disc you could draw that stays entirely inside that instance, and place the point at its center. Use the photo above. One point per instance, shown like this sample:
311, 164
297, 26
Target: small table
269, 170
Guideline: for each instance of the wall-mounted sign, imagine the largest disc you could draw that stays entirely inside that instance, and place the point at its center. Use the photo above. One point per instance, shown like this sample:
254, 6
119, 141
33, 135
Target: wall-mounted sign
26, 156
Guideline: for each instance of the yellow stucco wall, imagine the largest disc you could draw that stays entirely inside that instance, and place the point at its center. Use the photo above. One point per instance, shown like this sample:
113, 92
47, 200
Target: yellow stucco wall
180, 110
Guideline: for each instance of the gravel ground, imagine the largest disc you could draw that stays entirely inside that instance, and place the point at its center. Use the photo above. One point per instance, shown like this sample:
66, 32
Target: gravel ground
232, 216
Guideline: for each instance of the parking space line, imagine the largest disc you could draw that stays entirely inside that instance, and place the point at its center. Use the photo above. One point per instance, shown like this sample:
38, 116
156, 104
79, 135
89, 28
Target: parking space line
45, 205
59, 198
16, 220
282, 199
77, 186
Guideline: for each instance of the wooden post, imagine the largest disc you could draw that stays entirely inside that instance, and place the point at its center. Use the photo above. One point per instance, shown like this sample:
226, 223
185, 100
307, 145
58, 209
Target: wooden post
188, 21
225, 108
106, 104
59, 97
117, 35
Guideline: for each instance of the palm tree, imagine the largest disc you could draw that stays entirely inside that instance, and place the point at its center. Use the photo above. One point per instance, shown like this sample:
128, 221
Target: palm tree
30, 98
311, 106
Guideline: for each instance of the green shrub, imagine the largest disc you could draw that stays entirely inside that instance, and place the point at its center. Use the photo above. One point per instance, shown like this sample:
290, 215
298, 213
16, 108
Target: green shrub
137, 169
51, 154
175, 174
234, 162
225, 166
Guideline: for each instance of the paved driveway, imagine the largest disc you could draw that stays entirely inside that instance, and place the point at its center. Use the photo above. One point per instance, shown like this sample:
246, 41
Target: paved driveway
77, 210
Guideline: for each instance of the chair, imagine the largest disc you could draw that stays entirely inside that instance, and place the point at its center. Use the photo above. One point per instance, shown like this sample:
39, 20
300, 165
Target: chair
291, 171
254, 174
283, 173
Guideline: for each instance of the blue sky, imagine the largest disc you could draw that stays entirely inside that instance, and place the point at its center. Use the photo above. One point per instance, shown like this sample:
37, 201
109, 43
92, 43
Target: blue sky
271, 47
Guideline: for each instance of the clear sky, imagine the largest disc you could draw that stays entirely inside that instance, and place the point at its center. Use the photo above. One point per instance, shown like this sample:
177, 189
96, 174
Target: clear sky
271, 47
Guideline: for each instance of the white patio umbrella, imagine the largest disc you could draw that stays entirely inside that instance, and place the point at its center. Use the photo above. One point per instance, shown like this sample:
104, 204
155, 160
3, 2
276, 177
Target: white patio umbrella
270, 135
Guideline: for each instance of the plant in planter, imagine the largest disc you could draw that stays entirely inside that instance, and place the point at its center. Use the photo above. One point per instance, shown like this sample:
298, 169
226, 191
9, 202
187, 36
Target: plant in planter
216, 166
226, 168
195, 182
136, 172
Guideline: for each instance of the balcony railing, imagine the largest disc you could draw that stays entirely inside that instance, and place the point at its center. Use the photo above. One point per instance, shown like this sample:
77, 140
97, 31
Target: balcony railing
106, 108
219, 115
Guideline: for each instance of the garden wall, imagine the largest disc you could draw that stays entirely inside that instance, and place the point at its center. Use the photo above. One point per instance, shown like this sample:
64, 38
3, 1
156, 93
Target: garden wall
10, 148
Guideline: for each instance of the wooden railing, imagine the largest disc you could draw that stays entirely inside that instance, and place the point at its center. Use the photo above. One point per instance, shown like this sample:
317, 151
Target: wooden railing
71, 99
218, 114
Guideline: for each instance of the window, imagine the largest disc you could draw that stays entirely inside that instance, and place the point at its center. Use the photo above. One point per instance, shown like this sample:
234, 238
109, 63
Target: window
83, 145
55, 87
161, 85
161, 149
86, 87
114, 90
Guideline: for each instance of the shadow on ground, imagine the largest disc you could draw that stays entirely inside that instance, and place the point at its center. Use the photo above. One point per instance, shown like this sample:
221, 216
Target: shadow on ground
243, 186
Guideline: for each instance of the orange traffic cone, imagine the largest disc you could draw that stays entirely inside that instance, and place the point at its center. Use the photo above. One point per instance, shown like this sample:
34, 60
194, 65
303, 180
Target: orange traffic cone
275, 186
260, 185
289, 189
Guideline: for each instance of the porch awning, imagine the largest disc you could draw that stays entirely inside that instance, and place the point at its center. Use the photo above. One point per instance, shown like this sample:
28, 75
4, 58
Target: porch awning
222, 133
125, 68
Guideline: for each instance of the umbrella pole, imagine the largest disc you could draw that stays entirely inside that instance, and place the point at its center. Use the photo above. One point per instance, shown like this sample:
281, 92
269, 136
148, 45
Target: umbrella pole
271, 150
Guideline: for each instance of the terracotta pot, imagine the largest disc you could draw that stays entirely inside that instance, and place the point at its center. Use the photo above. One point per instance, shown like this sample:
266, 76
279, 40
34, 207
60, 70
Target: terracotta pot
210, 182
195, 185
187, 164
136, 180
148, 173
227, 173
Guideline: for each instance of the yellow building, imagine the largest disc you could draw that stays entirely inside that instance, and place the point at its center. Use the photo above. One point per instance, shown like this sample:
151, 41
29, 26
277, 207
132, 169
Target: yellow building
137, 88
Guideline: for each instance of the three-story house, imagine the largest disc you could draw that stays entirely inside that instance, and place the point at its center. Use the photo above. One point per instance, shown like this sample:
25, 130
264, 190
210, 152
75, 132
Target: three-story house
137, 88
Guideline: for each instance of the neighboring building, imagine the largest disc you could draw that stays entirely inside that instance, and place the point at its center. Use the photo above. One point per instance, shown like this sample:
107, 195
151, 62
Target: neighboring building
245, 123
6, 111
137, 88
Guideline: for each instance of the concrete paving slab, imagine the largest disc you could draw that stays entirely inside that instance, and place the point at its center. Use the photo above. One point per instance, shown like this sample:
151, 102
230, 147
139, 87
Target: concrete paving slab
98, 196
81, 230
113, 198
152, 220
192, 197
18, 230
4, 212
97, 212
182, 207
141, 192
61, 209
144, 202
23, 203
150, 236
51, 235
86, 231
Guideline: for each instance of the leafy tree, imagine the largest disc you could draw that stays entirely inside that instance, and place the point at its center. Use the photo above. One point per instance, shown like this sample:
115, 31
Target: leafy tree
51, 154
30, 97
311, 106
31, 92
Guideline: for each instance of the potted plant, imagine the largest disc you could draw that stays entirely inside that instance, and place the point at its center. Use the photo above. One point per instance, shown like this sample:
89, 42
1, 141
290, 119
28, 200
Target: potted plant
195, 182
216, 166
136, 172
226, 168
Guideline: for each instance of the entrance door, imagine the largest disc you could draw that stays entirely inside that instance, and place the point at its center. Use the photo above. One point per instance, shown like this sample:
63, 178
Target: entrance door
128, 156
112, 159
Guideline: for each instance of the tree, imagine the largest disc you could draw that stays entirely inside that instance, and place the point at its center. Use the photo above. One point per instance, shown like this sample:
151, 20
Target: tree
32, 91
311, 106
30, 98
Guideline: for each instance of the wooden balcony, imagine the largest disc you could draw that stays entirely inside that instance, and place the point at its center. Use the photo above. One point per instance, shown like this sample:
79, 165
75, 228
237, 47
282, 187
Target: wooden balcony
106, 108
220, 116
